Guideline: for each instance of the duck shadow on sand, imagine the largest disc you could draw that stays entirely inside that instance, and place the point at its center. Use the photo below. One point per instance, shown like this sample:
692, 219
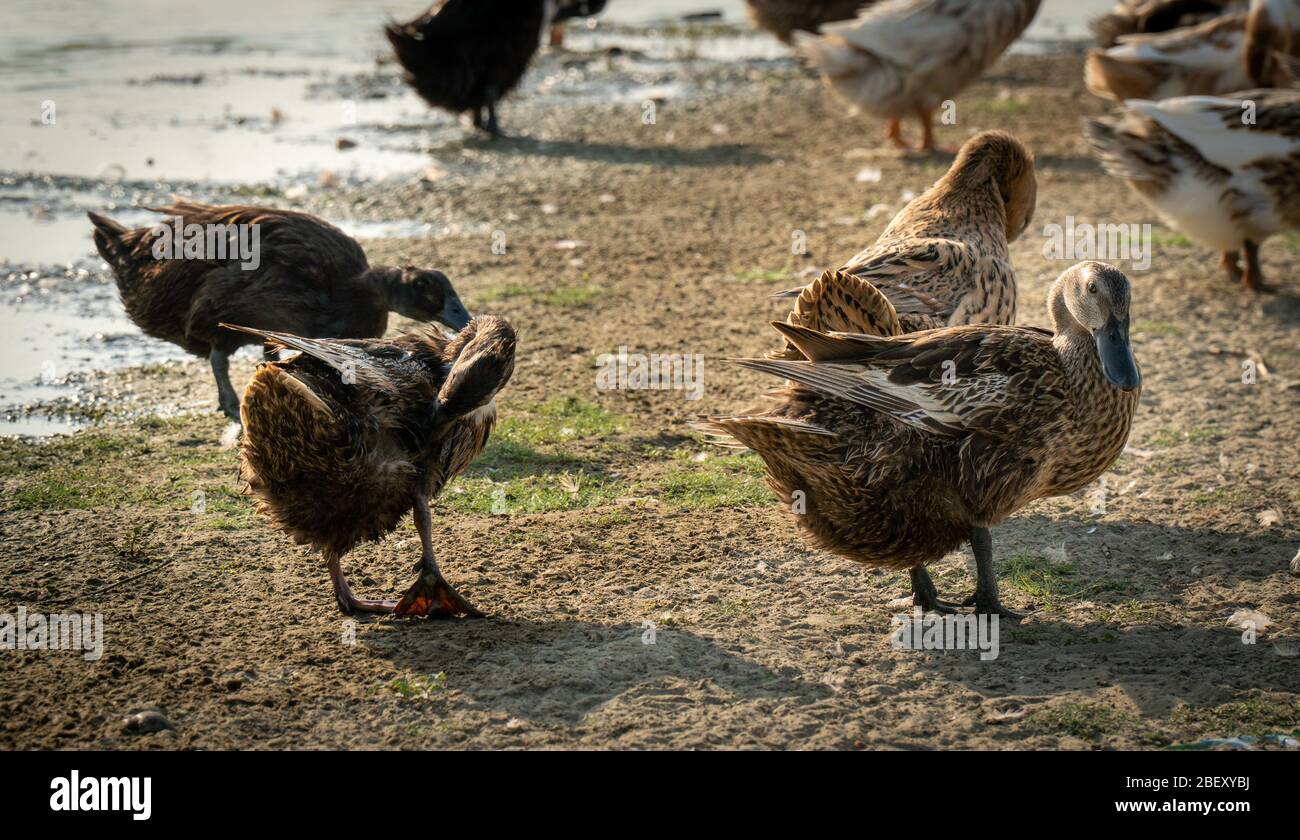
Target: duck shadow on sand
558, 671
595, 151
1161, 598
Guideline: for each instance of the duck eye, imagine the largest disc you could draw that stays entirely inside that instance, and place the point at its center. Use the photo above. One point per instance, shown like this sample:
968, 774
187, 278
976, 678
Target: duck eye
1092, 287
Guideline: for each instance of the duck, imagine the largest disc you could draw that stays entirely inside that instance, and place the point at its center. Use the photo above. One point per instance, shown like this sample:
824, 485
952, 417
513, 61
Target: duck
346, 437
465, 55
1225, 181
1207, 58
944, 259
895, 449
304, 275
783, 17
902, 58
1143, 17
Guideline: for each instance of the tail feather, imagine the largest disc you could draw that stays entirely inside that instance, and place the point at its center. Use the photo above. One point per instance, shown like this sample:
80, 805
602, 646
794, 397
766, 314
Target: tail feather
830, 55
284, 420
747, 431
841, 302
108, 239
1122, 153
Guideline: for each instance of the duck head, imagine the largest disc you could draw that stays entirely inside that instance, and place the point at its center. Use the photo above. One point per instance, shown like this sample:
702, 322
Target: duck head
1095, 297
426, 295
1000, 157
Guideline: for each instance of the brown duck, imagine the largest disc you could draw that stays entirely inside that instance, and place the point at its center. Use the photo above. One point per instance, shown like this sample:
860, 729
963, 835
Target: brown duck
309, 279
348, 436
944, 259
905, 447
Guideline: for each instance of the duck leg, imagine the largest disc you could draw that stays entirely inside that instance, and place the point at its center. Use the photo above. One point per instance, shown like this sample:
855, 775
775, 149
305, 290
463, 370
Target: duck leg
348, 602
431, 596
894, 133
1231, 263
1253, 278
226, 396
926, 596
986, 581
491, 127
927, 130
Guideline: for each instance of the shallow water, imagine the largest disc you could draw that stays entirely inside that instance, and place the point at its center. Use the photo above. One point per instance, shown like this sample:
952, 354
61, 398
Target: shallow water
121, 106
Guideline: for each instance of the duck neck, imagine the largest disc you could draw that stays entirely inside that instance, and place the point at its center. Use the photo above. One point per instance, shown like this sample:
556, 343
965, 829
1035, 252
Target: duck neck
387, 280
1102, 413
1074, 342
972, 202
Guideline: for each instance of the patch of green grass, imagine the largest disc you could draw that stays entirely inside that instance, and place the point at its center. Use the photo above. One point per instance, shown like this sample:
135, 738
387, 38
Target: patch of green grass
64, 488
1129, 612
613, 518
558, 420
1256, 716
1169, 436
419, 688
567, 296
1088, 721
718, 481
571, 296
541, 493
134, 544
1291, 241
1156, 328
1164, 236
1039, 577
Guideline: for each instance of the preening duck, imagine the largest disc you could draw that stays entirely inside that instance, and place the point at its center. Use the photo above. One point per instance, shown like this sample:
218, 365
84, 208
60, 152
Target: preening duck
784, 17
903, 58
465, 55
306, 277
944, 259
904, 447
1223, 170
347, 437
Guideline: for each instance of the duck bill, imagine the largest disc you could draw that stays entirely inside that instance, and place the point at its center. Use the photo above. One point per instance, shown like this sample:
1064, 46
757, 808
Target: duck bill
454, 314
1117, 354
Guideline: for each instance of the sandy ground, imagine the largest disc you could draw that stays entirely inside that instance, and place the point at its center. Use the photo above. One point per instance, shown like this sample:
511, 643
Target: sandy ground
620, 526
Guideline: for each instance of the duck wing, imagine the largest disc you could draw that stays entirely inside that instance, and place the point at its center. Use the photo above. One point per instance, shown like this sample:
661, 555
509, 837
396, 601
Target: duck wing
368, 364
1215, 127
933, 281
989, 380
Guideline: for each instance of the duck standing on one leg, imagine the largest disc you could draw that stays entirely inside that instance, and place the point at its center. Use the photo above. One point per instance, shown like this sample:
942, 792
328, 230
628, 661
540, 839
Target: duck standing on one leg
309, 279
905, 447
344, 439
